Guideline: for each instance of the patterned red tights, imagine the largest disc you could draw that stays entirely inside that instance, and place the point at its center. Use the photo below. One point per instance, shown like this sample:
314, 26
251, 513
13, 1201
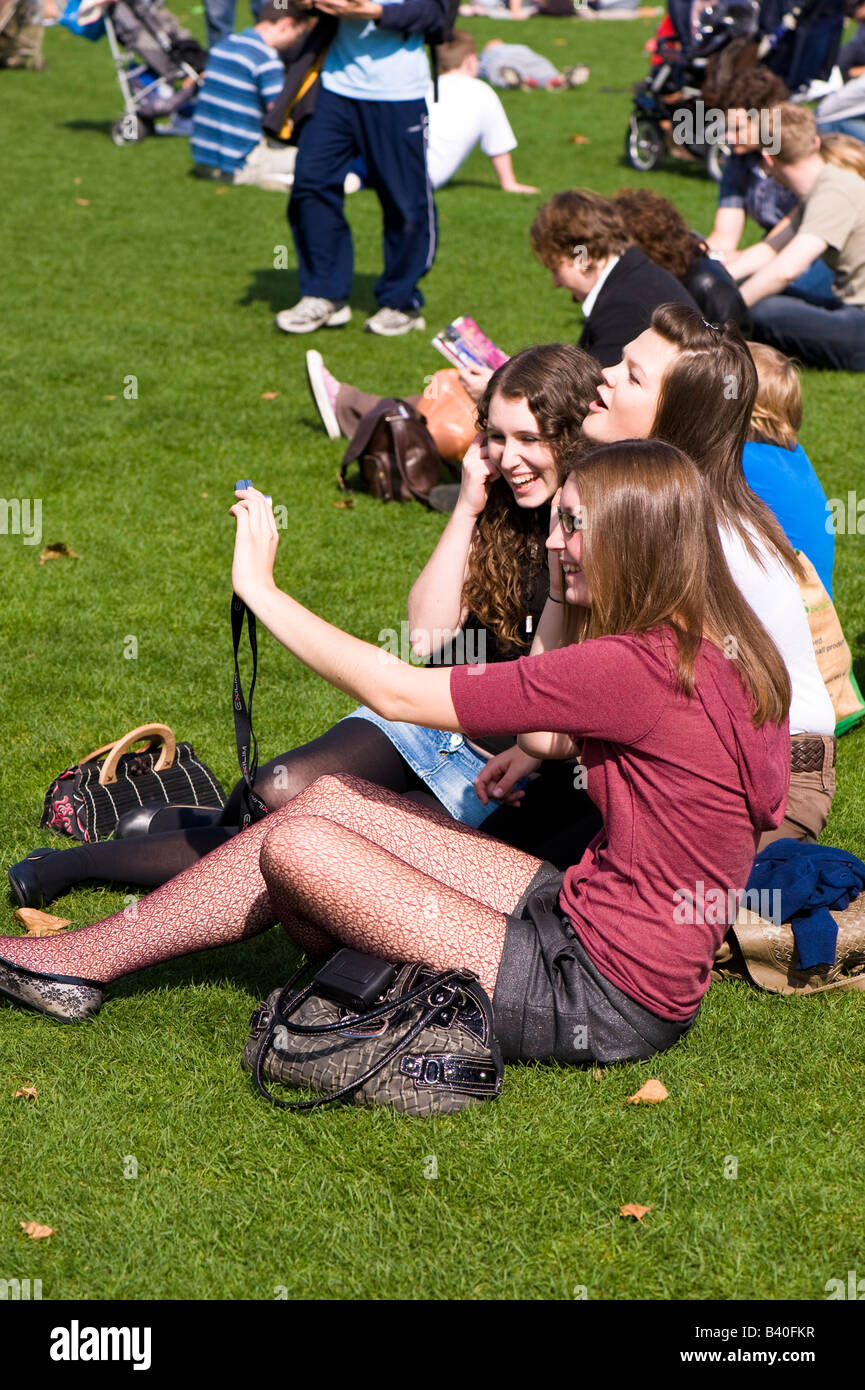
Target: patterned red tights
345, 862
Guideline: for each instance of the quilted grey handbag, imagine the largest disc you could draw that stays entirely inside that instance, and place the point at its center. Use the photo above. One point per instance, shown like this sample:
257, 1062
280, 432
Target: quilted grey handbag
426, 1046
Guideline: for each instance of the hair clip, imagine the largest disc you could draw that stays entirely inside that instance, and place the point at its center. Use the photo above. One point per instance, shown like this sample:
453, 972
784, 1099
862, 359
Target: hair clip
715, 327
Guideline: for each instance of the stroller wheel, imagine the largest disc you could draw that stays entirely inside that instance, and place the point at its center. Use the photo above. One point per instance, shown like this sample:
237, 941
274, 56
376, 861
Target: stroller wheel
509, 77
644, 144
716, 158
130, 129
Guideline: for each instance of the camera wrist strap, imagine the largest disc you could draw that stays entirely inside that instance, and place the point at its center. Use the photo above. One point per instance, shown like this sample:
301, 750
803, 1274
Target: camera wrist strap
253, 808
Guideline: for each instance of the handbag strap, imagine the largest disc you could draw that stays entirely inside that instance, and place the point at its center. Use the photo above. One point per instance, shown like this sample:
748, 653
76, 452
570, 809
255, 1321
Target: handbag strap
332, 1096
247, 745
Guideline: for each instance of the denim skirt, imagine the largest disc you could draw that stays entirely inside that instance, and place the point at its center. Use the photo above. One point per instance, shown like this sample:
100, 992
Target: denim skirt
445, 762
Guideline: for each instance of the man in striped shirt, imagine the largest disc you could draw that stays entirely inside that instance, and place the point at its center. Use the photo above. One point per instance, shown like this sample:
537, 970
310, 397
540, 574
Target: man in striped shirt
244, 75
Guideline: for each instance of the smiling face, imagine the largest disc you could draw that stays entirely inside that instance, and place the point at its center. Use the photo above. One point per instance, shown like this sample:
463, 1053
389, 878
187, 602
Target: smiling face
627, 401
570, 548
515, 446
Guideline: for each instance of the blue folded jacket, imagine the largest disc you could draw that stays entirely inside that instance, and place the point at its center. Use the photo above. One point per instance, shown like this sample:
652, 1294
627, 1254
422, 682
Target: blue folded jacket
811, 879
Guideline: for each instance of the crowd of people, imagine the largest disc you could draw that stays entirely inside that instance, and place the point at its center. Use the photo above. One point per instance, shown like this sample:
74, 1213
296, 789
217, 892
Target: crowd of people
645, 711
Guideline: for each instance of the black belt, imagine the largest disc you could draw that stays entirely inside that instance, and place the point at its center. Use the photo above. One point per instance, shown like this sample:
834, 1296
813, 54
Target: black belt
809, 754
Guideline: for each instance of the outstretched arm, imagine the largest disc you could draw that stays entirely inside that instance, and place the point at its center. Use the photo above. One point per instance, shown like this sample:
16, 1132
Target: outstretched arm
391, 687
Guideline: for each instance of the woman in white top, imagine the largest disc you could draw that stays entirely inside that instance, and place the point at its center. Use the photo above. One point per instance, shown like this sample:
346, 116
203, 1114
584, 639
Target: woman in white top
693, 385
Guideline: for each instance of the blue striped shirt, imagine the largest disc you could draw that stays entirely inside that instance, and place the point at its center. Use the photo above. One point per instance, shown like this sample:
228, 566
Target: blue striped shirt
243, 76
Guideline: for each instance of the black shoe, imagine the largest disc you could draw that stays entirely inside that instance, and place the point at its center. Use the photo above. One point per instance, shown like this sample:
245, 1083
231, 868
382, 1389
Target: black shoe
66, 998
156, 819
24, 880
443, 497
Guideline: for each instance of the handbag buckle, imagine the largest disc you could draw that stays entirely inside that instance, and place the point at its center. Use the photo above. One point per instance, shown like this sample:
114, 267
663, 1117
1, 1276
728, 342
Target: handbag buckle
260, 1019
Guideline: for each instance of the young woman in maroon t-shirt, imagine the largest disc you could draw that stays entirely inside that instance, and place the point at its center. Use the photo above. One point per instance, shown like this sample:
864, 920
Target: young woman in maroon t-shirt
686, 754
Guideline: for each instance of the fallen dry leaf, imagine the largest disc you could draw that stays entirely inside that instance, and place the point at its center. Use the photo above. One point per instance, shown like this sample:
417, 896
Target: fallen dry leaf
55, 552
580, 140
598, 1073
649, 1094
35, 1231
26, 1093
76, 180
634, 1209
347, 502
109, 398
83, 202
559, 43
38, 923
205, 494
269, 395
221, 190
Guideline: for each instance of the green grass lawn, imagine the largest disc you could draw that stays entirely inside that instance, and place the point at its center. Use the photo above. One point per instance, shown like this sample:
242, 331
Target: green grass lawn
171, 281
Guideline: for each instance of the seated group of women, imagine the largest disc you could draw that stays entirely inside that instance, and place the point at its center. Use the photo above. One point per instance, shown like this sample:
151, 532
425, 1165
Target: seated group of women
645, 669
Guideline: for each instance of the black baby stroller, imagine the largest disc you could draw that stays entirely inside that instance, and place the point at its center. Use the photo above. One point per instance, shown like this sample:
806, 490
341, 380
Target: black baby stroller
670, 95
799, 42
158, 63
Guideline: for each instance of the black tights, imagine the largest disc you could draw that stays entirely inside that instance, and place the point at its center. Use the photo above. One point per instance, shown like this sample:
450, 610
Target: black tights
354, 746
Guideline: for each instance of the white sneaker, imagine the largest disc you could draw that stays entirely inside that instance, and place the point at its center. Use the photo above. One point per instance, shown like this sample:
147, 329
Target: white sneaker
310, 313
391, 322
324, 387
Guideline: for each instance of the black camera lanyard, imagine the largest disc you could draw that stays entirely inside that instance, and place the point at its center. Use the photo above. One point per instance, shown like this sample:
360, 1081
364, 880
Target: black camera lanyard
253, 808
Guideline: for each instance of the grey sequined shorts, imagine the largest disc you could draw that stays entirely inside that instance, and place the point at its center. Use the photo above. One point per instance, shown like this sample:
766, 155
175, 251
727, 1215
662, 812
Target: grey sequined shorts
552, 1003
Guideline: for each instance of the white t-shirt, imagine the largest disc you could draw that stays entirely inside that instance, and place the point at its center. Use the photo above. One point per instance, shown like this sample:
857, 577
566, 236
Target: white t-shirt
774, 596
467, 111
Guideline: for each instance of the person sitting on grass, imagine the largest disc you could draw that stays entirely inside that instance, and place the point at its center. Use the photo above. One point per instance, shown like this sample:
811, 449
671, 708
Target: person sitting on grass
589, 965
467, 112
746, 189
828, 224
675, 383
244, 75
583, 241
777, 467
478, 599
661, 232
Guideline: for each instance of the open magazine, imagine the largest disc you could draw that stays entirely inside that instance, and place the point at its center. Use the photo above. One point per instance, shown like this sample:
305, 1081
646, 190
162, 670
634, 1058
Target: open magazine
464, 345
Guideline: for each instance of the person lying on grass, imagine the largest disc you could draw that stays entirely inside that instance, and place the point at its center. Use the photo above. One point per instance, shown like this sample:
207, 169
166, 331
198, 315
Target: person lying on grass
686, 754
479, 597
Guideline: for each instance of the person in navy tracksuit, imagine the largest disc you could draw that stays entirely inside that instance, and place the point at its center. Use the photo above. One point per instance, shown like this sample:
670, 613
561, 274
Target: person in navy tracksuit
372, 105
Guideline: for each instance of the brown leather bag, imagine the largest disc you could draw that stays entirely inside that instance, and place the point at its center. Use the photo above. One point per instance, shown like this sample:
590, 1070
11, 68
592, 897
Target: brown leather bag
397, 454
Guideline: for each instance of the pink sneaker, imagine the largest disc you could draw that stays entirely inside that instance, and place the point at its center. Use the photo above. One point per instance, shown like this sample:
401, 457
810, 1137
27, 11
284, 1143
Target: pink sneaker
325, 389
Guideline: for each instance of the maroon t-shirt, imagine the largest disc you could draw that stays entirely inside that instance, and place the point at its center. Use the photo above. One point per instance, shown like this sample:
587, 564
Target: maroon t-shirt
685, 787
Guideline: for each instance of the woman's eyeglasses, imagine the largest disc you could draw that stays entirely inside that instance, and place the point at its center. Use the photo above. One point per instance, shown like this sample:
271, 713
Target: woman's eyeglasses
569, 522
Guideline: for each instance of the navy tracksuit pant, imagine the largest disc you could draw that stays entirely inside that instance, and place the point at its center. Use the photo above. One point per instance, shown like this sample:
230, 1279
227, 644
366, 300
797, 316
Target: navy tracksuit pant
390, 137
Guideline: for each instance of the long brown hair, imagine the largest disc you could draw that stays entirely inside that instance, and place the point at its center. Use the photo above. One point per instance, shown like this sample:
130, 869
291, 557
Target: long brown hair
704, 408
557, 382
653, 558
